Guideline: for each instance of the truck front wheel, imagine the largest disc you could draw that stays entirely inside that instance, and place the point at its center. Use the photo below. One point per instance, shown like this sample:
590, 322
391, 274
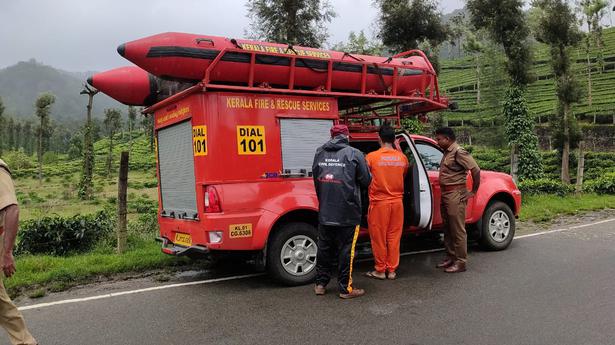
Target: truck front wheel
291, 254
497, 227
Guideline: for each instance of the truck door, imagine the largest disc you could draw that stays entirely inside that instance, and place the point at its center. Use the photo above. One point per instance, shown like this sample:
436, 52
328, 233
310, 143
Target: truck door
418, 197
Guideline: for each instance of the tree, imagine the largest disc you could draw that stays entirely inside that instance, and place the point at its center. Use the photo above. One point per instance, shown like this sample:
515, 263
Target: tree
43, 108
300, 22
86, 184
506, 24
457, 30
1, 124
557, 27
28, 138
132, 120
148, 126
359, 44
113, 122
408, 24
593, 12
473, 46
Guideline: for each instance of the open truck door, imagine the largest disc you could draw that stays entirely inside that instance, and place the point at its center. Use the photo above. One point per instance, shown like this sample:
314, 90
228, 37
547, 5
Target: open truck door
418, 197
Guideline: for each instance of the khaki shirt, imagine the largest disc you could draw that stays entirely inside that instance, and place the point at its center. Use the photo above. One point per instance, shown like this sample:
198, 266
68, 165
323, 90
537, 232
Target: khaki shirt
455, 165
7, 192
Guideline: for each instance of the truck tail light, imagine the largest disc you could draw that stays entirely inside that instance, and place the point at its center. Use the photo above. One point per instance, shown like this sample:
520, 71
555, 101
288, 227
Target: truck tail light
212, 200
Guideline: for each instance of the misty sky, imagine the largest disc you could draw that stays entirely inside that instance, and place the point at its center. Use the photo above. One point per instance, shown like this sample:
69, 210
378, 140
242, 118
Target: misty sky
83, 35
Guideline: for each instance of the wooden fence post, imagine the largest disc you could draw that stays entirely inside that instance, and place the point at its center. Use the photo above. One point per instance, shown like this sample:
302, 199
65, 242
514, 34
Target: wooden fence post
122, 188
580, 168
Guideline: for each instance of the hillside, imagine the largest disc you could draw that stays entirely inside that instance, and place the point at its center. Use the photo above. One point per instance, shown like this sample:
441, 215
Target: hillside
458, 79
20, 85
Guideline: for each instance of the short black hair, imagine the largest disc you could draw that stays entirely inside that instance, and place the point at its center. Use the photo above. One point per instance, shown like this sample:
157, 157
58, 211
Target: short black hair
387, 134
447, 132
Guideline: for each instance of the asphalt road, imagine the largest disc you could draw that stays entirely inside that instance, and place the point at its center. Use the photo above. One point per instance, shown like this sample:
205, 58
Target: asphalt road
555, 288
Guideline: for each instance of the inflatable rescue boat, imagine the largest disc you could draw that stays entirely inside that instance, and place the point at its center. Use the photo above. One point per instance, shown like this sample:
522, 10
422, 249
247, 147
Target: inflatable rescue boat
186, 57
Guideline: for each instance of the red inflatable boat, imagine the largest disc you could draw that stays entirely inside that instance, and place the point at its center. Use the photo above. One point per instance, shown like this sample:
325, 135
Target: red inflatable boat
133, 86
186, 57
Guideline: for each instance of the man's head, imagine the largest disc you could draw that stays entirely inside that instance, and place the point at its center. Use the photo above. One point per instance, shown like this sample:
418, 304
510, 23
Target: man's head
445, 137
386, 134
339, 130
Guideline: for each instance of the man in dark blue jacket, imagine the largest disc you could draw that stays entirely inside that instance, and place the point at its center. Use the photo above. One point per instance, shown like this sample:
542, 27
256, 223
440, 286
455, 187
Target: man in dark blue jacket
340, 171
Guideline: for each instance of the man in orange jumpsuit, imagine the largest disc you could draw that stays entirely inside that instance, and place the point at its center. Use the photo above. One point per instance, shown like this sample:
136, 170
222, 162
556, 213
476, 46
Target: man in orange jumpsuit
385, 218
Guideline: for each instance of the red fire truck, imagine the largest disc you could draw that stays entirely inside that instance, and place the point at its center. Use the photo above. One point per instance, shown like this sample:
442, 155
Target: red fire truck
234, 154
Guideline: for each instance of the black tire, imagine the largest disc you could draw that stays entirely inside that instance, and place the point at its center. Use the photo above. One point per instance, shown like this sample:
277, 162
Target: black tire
497, 213
304, 233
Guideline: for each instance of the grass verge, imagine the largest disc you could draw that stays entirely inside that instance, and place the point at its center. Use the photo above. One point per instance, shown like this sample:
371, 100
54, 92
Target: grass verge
41, 273
542, 208
55, 273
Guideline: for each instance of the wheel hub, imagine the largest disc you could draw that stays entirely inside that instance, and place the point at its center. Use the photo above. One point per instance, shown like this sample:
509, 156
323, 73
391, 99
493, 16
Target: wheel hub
298, 255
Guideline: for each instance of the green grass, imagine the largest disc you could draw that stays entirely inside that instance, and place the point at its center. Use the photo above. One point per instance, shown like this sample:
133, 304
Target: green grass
59, 273
541, 208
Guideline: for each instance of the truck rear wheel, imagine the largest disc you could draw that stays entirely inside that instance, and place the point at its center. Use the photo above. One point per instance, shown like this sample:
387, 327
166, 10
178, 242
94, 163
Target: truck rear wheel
497, 227
291, 254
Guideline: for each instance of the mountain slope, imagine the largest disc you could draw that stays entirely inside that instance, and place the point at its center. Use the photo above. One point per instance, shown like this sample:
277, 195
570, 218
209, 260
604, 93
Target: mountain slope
21, 84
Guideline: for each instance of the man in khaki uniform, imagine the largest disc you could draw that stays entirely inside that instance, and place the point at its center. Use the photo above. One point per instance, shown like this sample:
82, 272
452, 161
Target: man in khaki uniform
10, 318
453, 171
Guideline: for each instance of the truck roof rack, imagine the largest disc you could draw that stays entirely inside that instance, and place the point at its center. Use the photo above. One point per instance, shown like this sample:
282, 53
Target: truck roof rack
355, 105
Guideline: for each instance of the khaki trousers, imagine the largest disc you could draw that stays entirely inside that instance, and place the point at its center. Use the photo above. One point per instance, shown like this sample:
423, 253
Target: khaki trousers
453, 212
10, 318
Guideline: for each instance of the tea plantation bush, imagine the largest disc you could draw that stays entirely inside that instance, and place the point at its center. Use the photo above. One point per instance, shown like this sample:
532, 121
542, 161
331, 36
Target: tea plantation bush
602, 185
545, 186
59, 235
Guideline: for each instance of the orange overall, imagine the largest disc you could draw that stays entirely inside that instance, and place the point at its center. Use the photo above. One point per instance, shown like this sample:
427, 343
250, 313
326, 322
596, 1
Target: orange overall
385, 217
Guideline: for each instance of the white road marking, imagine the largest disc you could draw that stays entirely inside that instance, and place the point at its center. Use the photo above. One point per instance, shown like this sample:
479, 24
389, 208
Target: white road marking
216, 280
565, 229
130, 292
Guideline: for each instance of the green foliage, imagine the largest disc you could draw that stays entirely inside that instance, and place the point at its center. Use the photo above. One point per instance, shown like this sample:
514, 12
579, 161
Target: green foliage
360, 44
18, 160
405, 24
300, 22
520, 133
50, 157
412, 125
545, 186
604, 184
59, 236
506, 23
142, 205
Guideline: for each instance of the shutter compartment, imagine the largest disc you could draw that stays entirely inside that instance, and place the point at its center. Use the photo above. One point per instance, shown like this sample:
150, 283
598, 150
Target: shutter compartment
176, 169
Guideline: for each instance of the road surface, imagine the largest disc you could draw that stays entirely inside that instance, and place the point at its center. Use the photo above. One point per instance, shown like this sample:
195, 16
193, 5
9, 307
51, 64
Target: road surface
552, 288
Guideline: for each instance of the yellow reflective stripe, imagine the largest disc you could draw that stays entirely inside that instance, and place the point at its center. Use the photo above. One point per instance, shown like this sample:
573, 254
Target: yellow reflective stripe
354, 241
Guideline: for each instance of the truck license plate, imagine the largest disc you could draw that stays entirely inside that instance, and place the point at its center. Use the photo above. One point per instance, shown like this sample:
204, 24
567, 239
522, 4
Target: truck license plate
183, 239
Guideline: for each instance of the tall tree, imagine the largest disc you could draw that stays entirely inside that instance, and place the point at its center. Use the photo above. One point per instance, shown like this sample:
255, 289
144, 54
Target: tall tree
1, 124
113, 122
132, 120
593, 11
300, 22
359, 43
506, 23
409, 24
457, 29
557, 27
474, 47
43, 108
10, 130
28, 138
148, 126
86, 184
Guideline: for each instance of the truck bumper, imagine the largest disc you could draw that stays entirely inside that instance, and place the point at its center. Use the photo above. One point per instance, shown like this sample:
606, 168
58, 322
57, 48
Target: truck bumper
170, 248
